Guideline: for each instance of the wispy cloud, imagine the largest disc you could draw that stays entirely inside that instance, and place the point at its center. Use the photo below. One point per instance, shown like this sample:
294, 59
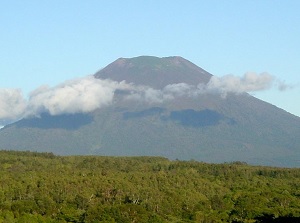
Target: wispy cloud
250, 82
169, 92
282, 86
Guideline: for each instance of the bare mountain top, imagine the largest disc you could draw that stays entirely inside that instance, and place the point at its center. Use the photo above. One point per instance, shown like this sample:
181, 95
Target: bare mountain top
154, 71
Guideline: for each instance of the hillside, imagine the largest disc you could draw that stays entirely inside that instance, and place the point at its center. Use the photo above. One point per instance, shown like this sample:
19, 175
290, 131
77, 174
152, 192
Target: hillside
41, 187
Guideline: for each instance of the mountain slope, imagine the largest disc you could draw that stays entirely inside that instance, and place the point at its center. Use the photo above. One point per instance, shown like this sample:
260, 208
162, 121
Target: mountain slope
206, 127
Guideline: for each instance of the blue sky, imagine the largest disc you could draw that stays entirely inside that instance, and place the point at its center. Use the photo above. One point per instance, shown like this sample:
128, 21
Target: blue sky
48, 42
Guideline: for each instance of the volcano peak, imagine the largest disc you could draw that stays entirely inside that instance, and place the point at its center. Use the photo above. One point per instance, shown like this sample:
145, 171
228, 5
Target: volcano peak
155, 72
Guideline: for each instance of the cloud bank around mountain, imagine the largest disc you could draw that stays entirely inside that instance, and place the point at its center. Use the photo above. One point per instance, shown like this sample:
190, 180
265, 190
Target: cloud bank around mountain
88, 94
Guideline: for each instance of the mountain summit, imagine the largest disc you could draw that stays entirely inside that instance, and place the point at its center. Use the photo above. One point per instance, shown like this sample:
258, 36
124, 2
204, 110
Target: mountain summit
159, 110
154, 71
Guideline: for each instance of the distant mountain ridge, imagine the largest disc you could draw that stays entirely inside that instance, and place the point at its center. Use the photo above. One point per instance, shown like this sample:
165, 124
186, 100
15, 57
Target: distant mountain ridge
206, 127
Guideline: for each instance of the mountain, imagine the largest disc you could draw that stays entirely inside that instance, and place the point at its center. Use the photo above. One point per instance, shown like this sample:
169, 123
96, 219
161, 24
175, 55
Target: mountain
163, 114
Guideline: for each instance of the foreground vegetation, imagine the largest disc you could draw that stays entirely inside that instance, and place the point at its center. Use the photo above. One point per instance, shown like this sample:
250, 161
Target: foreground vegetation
41, 187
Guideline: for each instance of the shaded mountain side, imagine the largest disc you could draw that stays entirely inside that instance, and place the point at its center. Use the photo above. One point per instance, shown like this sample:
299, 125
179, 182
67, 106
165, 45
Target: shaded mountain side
65, 121
154, 71
207, 128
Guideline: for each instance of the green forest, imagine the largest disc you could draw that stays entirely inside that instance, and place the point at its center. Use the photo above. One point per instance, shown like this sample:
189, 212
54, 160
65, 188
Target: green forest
43, 187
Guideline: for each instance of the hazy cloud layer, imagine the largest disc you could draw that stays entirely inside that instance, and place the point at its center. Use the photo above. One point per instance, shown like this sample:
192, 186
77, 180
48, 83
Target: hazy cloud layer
169, 92
88, 94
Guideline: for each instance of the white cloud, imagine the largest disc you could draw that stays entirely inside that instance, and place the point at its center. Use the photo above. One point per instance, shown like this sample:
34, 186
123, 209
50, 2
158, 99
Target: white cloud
250, 82
74, 96
12, 104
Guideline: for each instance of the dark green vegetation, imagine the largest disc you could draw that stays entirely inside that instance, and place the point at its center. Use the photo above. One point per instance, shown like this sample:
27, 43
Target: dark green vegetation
41, 187
206, 128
